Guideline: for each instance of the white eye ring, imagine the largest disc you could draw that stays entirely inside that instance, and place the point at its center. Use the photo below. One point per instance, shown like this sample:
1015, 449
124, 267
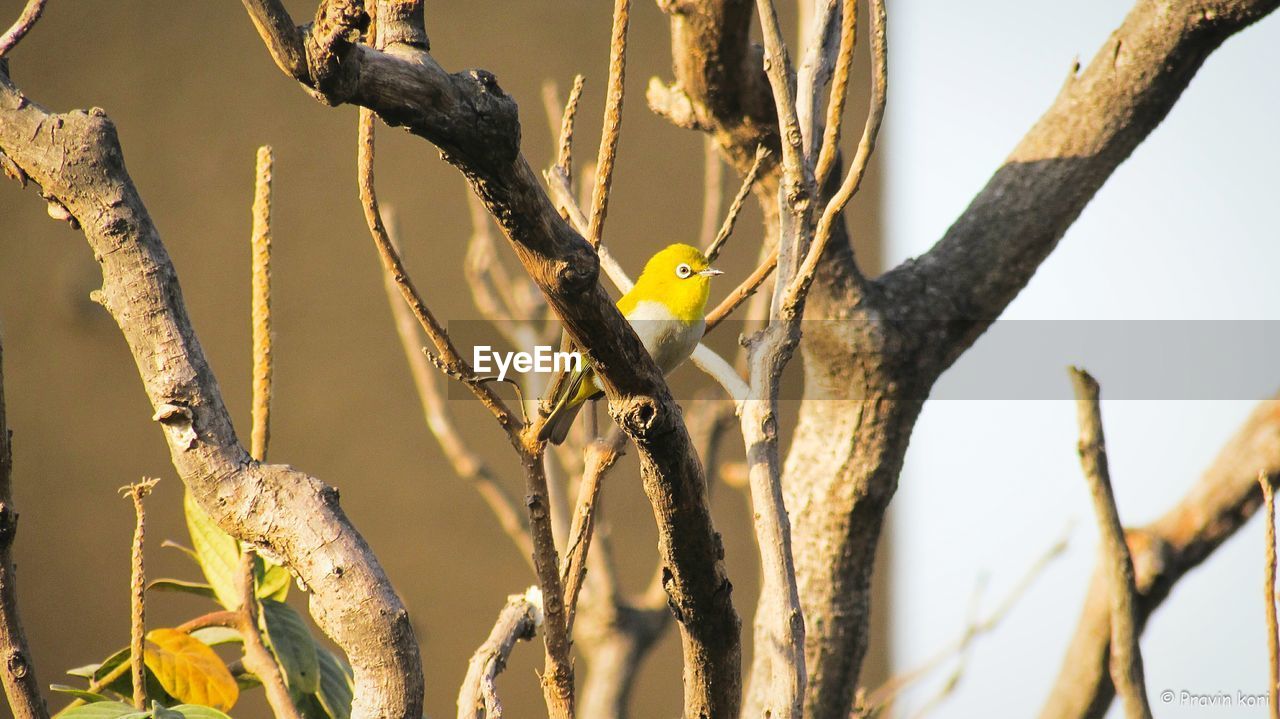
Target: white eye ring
683, 271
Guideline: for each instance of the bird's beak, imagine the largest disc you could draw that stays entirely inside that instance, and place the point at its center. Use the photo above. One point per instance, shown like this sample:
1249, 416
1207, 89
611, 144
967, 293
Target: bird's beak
711, 272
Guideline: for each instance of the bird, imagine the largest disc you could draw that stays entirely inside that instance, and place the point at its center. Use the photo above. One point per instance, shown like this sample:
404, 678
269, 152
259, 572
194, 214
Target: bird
667, 308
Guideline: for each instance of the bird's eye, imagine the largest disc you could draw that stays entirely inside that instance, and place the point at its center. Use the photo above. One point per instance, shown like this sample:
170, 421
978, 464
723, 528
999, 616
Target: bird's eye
683, 271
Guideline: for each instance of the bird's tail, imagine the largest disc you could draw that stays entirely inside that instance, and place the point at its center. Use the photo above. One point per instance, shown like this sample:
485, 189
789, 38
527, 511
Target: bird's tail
559, 422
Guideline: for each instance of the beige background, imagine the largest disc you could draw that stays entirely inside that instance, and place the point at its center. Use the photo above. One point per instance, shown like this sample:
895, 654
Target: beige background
193, 94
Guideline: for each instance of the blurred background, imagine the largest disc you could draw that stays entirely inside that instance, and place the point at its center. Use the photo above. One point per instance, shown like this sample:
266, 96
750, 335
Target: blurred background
1187, 229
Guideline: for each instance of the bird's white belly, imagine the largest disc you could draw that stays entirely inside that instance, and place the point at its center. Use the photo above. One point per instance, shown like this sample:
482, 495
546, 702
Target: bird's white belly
669, 340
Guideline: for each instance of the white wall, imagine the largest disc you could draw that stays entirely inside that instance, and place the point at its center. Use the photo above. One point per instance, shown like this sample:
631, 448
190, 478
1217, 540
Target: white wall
1188, 228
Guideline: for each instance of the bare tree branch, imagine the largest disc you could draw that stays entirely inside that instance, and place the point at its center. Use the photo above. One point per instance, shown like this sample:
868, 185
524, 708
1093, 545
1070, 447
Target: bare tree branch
282, 39
261, 305
1099, 117
883, 695
293, 515
1224, 498
1269, 596
466, 463
19, 675
257, 658
834, 209
602, 454
726, 228
394, 266
1126, 655
612, 121
138, 589
743, 291
712, 192
27, 20
839, 93
519, 619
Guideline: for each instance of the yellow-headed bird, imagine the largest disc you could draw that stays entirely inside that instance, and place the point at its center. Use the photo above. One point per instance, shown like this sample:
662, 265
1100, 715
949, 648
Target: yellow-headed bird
667, 308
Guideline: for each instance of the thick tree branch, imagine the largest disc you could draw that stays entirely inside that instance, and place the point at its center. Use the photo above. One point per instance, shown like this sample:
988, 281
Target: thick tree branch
1126, 655
1097, 120
475, 125
18, 675
76, 158
1224, 498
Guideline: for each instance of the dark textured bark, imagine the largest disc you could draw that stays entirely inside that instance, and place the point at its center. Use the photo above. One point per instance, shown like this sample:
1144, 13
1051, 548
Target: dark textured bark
76, 159
899, 332
476, 127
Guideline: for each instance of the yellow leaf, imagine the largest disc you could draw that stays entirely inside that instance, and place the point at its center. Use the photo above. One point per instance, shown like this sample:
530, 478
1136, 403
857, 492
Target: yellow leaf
189, 670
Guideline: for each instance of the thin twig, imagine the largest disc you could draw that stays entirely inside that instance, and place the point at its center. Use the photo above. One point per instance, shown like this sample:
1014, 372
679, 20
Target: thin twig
726, 229
394, 266
138, 585
557, 677
27, 20
19, 675
262, 361
782, 79
1269, 594
743, 291
612, 121
861, 160
519, 619
602, 454
892, 687
564, 160
466, 464
839, 93
1126, 655
257, 658
505, 301
712, 190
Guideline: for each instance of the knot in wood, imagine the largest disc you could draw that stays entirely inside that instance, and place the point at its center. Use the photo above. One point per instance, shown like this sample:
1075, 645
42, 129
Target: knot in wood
330, 496
16, 664
640, 416
577, 274
487, 81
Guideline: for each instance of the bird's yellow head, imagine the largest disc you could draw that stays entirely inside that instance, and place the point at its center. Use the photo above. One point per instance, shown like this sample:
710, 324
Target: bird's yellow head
679, 277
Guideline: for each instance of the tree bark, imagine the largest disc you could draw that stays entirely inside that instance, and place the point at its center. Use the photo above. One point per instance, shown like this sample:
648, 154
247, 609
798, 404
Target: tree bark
878, 345
17, 672
76, 160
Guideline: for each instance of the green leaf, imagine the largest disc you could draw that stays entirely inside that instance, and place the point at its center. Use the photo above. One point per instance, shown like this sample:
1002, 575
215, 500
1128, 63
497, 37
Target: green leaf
103, 710
290, 641
310, 706
158, 711
123, 684
197, 711
337, 686
273, 580
218, 552
214, 636
85, 672
246, 680
87, 696
189, 670
177, 585
170, 544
